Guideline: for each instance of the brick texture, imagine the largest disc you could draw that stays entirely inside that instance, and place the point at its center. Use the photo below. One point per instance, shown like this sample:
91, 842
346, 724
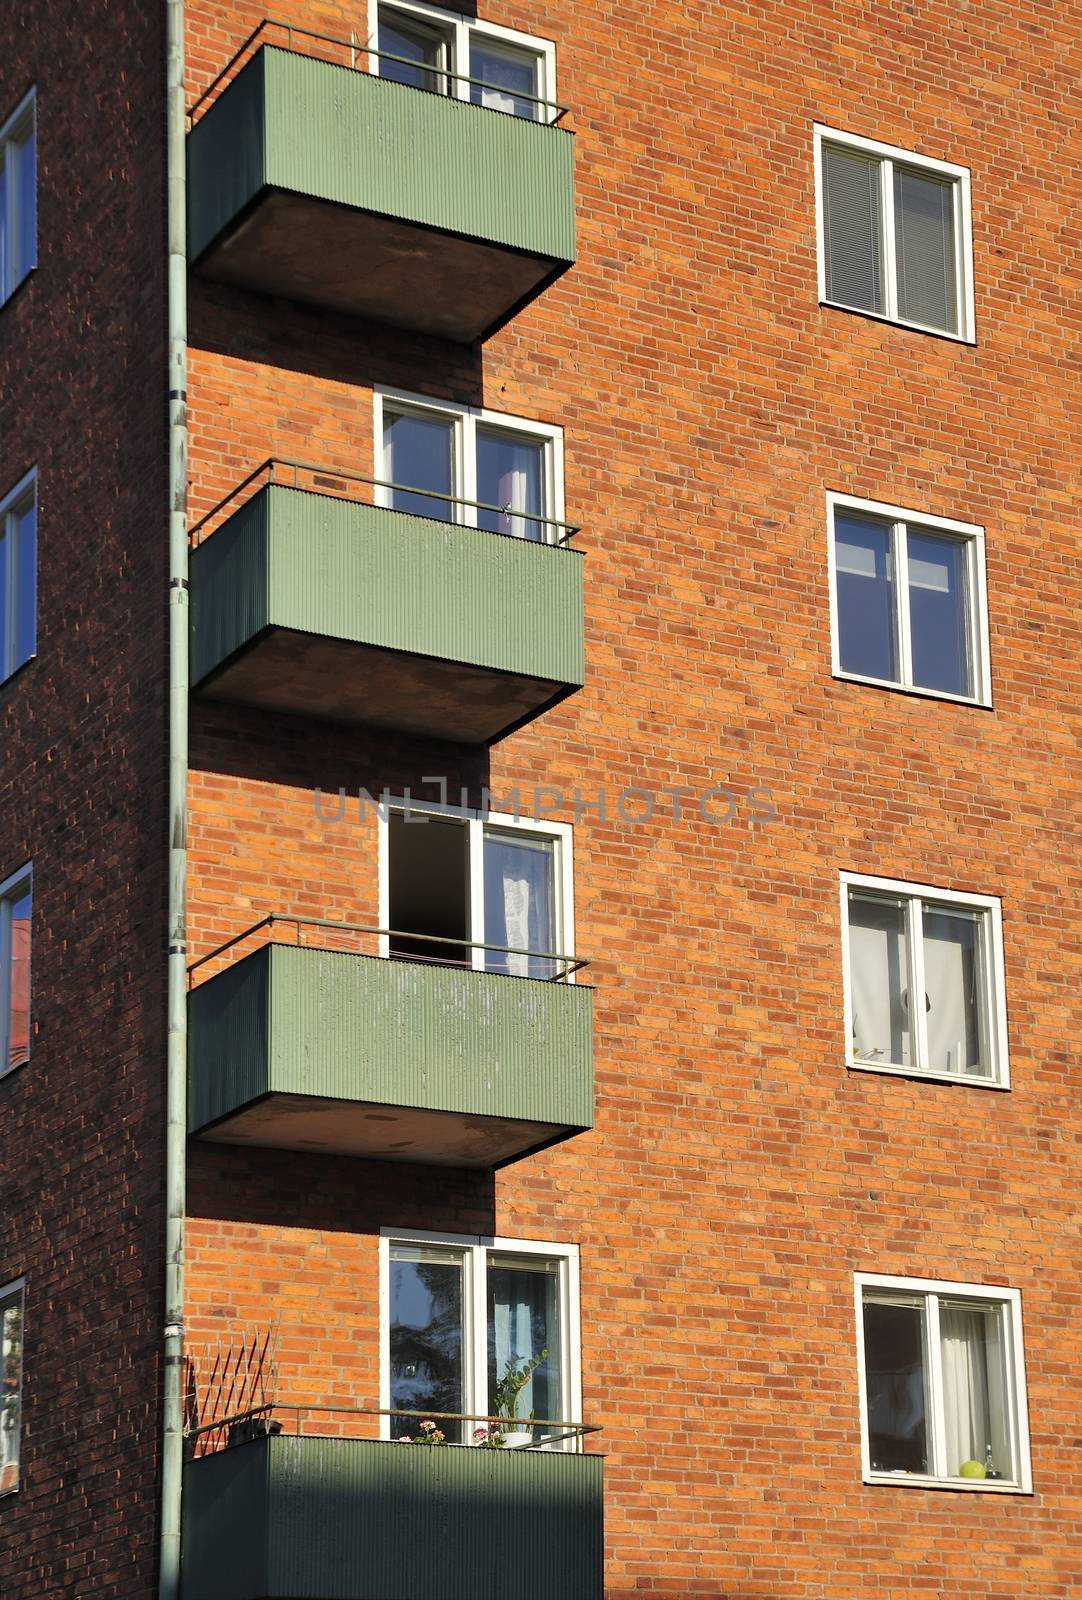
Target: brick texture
81, 764
738, 1176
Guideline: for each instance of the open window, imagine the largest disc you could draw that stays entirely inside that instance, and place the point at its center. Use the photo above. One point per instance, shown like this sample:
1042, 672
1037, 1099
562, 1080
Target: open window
479, 468
489, 893
942, 1383
460, 1315
426, 47
924, 981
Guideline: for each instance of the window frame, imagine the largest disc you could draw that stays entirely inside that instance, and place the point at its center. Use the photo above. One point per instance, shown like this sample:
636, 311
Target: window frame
477, 822
13, 132
466, 420
459, 30
16, 1289
994, 984
901, 520
891, 156
10, 890
475, 1340
932, 1291
12, 504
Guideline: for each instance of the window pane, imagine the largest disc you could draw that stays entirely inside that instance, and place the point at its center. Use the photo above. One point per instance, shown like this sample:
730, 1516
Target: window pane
24, 528
924, 241
6, 280
504, 79
426, 1336
423, 50
853, 229
419, 451
953, 980
864, 557
520, 904
975, 1388
879, 978
511, 474
11, 1356
18, 1031
7, 589
523, 1321
894, 1346
939, 613
25, 208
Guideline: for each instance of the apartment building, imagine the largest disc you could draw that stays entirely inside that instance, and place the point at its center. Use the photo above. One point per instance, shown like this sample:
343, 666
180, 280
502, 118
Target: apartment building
539, 753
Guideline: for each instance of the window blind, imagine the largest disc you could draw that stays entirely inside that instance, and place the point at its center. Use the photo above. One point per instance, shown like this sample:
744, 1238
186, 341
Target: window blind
854, 233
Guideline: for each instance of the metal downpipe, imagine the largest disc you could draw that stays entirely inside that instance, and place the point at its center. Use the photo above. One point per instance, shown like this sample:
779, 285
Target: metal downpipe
177, 1046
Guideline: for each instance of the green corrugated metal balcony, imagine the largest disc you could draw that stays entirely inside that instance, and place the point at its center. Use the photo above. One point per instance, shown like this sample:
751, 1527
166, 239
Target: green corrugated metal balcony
343, 189
356, 1519
322, 606
315, 1049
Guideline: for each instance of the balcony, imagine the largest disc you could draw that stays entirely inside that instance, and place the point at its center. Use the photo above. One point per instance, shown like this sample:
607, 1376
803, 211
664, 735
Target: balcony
314, 180
316, 1048
338, 1518
325, 606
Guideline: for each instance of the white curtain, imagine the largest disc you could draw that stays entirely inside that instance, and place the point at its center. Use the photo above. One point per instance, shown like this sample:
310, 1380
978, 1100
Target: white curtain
950, 974
878, 979
513, 1327
516, 918
974, 1387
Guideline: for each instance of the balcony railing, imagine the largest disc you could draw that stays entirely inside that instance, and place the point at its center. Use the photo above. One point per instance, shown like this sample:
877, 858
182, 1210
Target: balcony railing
313, 177
314, 1509
309, 598
450, 1052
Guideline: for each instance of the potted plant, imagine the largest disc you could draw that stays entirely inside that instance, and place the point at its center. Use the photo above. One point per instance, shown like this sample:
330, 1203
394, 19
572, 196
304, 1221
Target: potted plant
505, 1398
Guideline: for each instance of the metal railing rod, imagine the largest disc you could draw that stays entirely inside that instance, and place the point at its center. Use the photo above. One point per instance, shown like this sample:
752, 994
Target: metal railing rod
507, 1424
570, 528
359, 47
569, 963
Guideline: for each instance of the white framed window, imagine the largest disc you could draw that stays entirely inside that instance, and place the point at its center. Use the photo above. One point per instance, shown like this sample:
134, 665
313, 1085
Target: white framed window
942, 1384
903, 940
15, 915
426, 47
18, 575
18, 196
11, 1383
492, 892
458, 1313
483, 469
894, 234
908, 600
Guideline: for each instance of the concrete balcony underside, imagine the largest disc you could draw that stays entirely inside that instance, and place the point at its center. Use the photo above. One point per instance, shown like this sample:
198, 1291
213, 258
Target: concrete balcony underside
317, 606
355, 1519
322, 1050
348, 191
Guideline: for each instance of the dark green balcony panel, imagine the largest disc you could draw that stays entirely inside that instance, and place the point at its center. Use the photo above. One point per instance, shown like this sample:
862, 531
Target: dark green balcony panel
355, 1519
325, 607
346, 190
311, 1049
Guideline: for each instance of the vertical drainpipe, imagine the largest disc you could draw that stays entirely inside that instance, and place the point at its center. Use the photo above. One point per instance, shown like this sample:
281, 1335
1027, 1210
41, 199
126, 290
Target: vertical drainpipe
177, 1048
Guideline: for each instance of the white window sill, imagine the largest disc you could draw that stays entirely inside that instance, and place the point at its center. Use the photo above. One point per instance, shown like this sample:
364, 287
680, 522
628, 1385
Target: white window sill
978, 703
916, 1480
898, 322
966, 1079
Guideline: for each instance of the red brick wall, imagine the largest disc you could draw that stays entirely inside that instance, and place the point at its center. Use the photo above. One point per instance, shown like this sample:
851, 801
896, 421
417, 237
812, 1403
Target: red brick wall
738, 1176
81, 763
